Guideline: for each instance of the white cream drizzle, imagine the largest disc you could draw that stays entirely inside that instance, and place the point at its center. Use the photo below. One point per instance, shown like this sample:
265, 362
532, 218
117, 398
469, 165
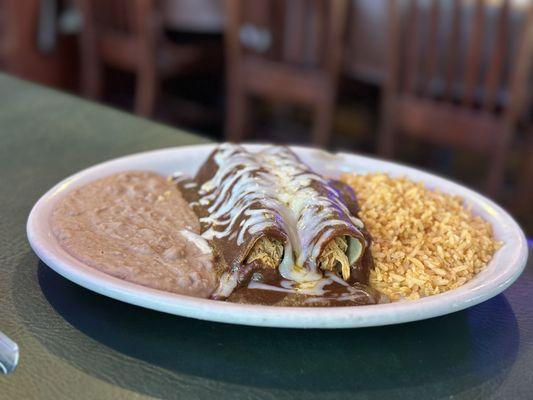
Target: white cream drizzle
241, 184
265, 286
314, 288
197, 240
228, 283
190, 185
313, 211
237, 188
311, 288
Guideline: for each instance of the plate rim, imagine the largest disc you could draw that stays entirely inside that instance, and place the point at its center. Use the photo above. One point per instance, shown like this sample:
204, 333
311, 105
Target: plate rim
272, 316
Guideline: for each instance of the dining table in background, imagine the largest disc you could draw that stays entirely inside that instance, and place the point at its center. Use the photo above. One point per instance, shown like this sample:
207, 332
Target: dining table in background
77, 344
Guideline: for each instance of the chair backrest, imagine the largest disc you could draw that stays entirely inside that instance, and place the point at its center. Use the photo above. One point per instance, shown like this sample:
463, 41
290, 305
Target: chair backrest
126, 17
463, 52
300, 32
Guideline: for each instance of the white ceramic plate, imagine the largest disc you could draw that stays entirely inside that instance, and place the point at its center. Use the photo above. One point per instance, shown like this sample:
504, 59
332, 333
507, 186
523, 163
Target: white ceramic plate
503, 270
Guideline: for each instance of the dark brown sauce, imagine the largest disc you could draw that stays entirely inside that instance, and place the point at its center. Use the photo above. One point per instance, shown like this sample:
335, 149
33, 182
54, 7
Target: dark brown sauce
336, 295
230, 256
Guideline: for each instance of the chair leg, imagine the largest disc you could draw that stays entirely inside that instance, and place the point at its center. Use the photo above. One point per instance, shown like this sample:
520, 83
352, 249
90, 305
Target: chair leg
91, 72
385, 145
497, 167
236, 115
323, 122
145, 92
495, 176
524, 198
92, 82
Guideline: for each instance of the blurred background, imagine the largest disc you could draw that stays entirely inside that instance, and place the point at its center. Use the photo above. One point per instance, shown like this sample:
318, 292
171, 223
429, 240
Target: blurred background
445, 85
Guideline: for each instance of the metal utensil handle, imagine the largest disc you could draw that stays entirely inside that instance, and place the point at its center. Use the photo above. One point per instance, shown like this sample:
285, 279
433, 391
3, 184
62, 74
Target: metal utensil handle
9, 354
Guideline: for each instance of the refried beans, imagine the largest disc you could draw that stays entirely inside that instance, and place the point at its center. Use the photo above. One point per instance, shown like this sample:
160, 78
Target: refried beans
137, 226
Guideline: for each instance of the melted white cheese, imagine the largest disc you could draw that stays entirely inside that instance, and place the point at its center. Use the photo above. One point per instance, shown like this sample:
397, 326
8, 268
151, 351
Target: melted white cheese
197, 240
313, 211
241, 183
315, 288
228, 283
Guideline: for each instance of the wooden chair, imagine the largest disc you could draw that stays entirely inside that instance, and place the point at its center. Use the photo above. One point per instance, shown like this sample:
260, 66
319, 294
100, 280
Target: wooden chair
19, 51
524, 194
283, 50
127, 34
428, 95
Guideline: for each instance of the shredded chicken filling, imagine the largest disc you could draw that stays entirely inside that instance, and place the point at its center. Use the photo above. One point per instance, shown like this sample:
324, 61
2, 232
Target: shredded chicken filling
268, 251
334, 258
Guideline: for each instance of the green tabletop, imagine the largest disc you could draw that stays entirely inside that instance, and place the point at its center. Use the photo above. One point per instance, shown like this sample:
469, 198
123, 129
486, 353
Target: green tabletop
75, 344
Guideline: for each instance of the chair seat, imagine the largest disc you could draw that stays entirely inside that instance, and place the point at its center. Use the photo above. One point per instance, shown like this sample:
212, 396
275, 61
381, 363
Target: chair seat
446, 123
122, 51
280, 81
187, 57
118, 49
